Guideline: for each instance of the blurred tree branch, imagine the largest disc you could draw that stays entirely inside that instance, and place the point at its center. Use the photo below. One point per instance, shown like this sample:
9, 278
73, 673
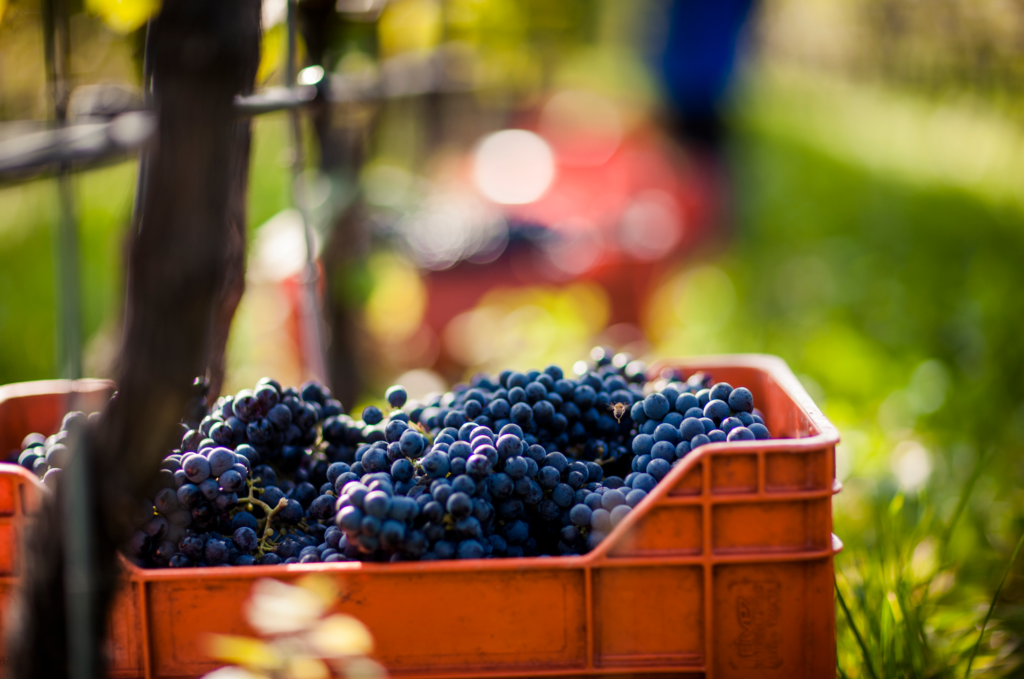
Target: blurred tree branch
184, 280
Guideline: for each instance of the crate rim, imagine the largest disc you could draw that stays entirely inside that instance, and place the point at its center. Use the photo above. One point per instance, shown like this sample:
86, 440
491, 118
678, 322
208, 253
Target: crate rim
40, 387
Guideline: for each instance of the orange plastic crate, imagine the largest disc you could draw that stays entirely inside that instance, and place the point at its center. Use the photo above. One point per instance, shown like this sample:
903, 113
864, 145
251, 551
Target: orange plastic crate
724, 570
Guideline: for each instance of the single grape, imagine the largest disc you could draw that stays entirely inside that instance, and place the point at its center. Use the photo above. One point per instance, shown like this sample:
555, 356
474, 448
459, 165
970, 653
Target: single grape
741, 434
581, 515
372, 415
716, 410
759, 431
619, 513
245, 539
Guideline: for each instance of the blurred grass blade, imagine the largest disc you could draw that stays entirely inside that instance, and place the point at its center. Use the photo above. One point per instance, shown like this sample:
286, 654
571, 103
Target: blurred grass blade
961, 505
856, 631
992, 605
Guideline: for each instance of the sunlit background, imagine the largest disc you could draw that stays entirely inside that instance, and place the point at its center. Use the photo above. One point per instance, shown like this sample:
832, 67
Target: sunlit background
858, 209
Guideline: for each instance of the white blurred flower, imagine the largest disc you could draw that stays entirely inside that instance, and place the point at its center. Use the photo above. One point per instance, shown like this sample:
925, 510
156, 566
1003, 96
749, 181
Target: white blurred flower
279, 608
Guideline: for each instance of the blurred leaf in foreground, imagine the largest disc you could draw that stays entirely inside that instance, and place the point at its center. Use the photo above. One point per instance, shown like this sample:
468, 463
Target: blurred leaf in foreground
123, 16
301, 638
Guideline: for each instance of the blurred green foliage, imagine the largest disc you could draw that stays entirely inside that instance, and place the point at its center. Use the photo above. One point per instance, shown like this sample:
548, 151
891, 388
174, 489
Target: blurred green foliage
931, 47
896, 296
28, 223
269, 175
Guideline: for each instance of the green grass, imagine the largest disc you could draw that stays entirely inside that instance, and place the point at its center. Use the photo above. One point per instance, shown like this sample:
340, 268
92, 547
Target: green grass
893, 289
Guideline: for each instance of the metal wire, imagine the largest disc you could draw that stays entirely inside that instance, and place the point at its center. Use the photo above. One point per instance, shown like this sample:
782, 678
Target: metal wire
142, 177
73, 145
58, 57
83, 144
274, 99
79, 577
312, 324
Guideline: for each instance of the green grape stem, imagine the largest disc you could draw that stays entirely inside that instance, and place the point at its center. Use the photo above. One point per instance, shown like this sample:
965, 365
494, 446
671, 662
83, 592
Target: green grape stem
271, 512
267, 530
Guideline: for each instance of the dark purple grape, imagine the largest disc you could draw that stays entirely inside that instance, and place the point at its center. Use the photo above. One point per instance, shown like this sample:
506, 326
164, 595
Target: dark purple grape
225, 501
260, 431
221, 460
245, 539
396, 396
280, 416
231, 481
322, 508
304, 493
222, 434
268, 397
166, 501
246, 407
270, 382
243, 519
292, 512
156, 528
164, 552
216, 552
196, 468
191, 440
315, 392
459, 505
305, 417
209, 488
759, 431
372, 415
193, 546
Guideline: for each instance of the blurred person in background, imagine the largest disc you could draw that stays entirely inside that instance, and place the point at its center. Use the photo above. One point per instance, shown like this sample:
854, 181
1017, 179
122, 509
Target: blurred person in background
696, 67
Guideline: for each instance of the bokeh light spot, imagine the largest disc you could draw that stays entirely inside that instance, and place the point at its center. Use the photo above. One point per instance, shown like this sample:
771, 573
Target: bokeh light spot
651, 226
513, 167
311, 75
398, 300
912, 465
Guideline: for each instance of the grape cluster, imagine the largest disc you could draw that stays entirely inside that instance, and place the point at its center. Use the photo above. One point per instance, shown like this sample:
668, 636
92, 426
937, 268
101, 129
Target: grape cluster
522, 464
46, 456
484, 469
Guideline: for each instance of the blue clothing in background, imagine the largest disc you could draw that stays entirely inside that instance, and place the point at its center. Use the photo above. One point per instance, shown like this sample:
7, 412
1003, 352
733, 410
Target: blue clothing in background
700, 55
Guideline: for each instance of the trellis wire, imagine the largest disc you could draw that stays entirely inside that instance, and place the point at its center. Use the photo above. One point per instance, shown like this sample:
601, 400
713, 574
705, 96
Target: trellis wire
142, 176
78, 565
312, 323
